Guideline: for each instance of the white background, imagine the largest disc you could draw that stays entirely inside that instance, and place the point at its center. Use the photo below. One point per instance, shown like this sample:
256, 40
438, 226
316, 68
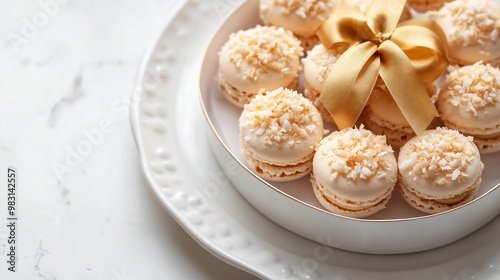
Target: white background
67, 69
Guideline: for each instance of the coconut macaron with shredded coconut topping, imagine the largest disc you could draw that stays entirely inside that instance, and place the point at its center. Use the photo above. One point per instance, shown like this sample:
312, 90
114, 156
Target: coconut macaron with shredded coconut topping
279, 131
354, 172
263, 57
439, 170
469, 101
472, 28
302, 17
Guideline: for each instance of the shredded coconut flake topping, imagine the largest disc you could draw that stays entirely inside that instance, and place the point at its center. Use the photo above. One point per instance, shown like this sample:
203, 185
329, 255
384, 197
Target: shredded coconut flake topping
306, 8
263, 48
442, 155
281, 116
356, 154
474, 87
472, 21
324, 59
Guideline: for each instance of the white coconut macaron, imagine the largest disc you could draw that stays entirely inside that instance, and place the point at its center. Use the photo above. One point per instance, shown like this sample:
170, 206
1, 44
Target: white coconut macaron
263, 57
279, 131
354, 172
439, 170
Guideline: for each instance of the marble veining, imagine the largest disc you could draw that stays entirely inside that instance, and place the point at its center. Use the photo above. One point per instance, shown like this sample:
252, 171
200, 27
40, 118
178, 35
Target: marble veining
76, 93
38, 270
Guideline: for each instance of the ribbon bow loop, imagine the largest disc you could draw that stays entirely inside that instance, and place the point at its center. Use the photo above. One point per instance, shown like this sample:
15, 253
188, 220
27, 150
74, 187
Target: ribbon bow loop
351, 28
404, 55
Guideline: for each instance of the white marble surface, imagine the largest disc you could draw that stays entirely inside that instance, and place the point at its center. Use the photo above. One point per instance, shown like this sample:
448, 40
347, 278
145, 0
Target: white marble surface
84, 212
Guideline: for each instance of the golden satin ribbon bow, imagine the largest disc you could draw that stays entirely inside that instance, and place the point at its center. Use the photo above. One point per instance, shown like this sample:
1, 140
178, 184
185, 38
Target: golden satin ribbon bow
406, 56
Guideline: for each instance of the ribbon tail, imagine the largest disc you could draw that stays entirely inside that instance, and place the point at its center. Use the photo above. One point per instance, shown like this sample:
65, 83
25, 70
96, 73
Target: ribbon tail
350, 82
383, 16
404, 83
361, 91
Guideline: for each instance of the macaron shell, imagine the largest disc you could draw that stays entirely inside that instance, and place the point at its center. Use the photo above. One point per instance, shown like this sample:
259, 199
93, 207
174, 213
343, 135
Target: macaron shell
284, 152
470, 55
465, 11
317, 66
238, 97
426, 187
396, 136
279, 173
488, 146
433, 207
325, 202
466, 108
385, 110
354, 191
260, 57
383, 116
314, 95
270, 80
466, 126
486, 122
279, 154
301, 26
354, 168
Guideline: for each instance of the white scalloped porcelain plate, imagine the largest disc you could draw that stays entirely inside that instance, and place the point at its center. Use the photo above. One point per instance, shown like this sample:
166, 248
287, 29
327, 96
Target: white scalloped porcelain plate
184, 176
